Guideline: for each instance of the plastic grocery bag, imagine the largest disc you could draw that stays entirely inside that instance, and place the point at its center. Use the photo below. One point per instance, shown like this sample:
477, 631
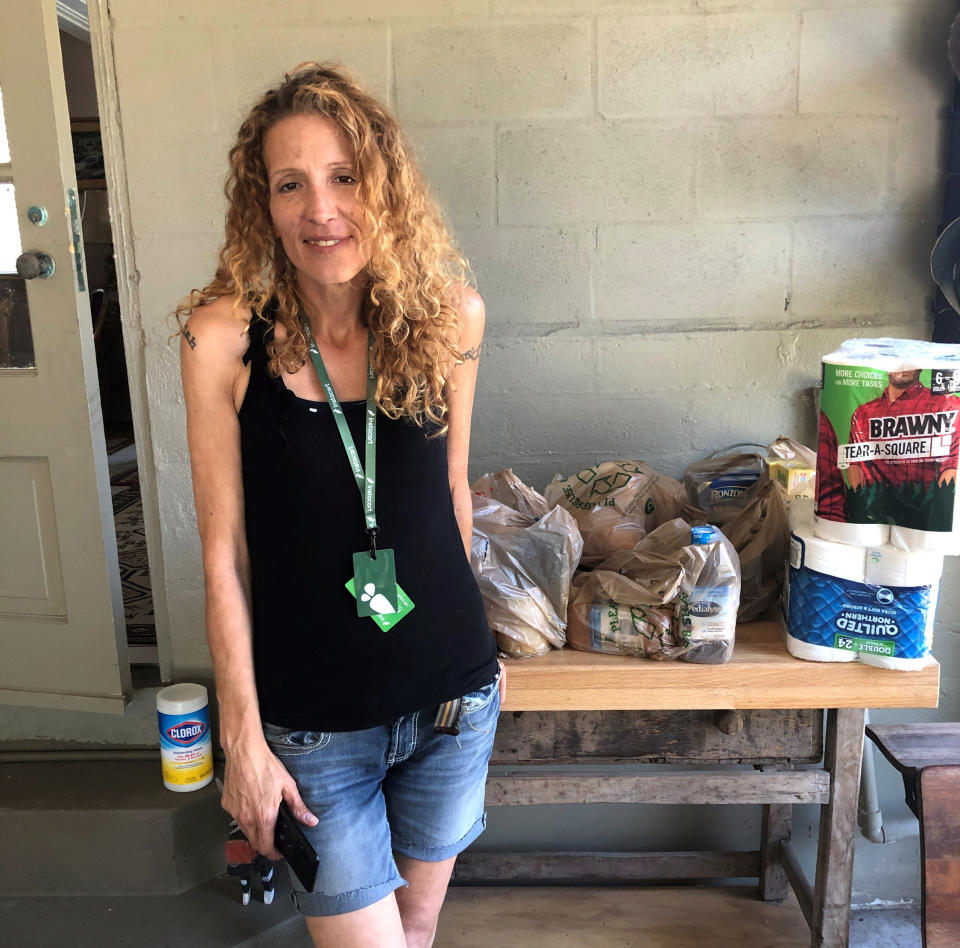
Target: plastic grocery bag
616, 504
506, 487
524, 567
756, 524
721, 477
787, 449
666, 599
794, 465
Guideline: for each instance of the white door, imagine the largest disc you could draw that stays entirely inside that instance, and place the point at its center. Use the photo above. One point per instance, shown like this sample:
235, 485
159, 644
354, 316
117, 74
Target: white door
62, 636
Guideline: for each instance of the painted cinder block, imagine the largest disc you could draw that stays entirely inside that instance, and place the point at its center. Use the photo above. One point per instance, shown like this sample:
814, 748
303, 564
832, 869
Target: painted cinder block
178, 96
193, 14
537, 367
488, 425
725, 6
857, 266
624, 426
688, 362
493, 71
759, 416
779, 167
289, 12
189, 199
701, 271
802, 351
391, 10
689, 65
595, 172
886, 60
249, 61
168, 420
530, 274
175, 494
458, 163
590, 7
169, 270
919, 159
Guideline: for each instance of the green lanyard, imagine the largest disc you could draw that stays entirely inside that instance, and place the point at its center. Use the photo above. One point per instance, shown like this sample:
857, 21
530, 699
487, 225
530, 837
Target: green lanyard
366, 476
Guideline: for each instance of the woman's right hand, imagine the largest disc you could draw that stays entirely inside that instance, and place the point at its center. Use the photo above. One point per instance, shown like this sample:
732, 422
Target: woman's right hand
254, 783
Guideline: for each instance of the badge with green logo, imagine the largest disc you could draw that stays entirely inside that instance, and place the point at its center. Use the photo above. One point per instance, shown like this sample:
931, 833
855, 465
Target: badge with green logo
388, 620
377, 581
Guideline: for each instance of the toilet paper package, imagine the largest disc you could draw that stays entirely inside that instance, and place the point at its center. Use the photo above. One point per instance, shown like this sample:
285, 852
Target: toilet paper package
847, 603
888, 445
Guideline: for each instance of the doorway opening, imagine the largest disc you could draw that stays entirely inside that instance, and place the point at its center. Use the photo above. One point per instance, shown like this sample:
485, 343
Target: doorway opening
98, 249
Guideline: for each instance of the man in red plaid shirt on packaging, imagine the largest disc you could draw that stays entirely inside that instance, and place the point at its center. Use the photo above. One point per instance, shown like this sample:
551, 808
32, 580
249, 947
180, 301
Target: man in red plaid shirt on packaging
904, 395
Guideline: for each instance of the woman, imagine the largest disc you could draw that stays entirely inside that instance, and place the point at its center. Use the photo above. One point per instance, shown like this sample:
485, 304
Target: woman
336, 265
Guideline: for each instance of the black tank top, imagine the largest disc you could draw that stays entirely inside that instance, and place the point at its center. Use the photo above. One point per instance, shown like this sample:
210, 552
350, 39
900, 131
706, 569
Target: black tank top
318, 665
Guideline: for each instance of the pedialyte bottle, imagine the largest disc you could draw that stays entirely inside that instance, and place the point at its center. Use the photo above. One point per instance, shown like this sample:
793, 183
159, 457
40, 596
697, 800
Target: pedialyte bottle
710, 614
186, 750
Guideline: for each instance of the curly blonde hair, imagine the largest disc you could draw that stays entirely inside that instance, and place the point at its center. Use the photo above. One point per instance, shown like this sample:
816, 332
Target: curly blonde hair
414, 276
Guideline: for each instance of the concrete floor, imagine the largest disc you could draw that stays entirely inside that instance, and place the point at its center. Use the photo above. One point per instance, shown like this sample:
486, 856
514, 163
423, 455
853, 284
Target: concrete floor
211, 916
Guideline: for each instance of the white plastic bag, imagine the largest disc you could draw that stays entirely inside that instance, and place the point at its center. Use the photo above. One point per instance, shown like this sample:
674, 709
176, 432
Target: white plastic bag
506, 487
524, 567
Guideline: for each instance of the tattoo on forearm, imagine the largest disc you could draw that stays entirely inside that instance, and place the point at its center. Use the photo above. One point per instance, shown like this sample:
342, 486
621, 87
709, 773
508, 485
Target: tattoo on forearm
473, 353
191, 339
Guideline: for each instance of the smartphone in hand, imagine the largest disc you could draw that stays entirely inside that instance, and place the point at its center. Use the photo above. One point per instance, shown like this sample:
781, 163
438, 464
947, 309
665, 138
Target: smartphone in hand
294, 846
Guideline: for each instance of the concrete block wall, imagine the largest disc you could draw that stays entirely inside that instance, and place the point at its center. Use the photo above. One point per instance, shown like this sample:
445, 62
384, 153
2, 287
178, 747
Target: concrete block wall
673, 208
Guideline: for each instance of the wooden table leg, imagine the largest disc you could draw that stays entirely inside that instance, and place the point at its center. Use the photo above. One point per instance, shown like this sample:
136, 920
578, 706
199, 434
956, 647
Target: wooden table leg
838, 824
775, 828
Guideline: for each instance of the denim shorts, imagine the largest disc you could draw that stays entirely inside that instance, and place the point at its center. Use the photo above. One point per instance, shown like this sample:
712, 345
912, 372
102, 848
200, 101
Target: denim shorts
396, 787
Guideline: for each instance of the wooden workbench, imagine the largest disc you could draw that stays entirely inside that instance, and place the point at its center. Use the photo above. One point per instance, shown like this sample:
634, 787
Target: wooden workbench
764, 708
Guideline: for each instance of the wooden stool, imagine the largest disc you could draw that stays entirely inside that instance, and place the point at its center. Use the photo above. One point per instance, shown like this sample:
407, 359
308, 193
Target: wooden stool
928, 758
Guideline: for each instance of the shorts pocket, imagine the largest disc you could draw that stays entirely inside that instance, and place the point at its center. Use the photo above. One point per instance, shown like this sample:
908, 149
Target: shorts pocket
290, 742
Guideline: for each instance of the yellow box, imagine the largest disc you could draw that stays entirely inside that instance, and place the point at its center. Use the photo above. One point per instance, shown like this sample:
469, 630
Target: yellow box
797, 477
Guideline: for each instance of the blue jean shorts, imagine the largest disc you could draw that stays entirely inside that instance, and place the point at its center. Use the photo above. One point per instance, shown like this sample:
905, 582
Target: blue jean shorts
398, 787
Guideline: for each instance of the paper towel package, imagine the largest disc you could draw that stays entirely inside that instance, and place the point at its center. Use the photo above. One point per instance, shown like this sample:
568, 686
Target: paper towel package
846, 603
888, 444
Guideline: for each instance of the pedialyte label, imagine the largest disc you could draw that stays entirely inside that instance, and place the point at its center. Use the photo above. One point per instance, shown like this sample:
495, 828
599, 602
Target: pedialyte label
707, 613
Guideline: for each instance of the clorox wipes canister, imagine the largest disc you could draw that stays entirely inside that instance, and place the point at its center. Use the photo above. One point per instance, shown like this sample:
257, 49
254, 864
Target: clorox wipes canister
186, 750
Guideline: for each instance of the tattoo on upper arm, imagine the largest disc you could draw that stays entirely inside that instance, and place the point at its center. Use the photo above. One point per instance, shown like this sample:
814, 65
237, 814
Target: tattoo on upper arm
191, 339
473, 353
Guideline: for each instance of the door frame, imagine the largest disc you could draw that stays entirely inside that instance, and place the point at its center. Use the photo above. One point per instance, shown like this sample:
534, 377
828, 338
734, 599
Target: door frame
118, 195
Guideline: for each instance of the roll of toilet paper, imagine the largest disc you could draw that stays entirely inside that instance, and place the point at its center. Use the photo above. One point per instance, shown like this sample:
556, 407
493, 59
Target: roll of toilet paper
847, 602
853, 534
920, 541
898, 664
809, 551
888, 565
817, 572
921, 656
798, 648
